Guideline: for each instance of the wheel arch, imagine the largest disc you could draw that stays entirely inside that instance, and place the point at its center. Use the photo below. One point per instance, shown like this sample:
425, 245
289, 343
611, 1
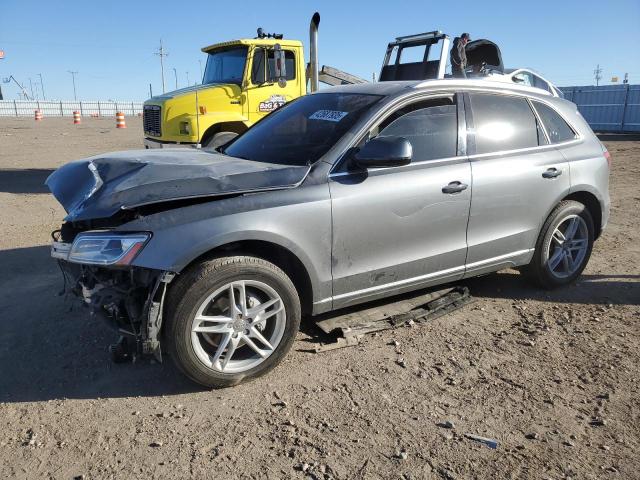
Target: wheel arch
592, 203
282, 257
235, 127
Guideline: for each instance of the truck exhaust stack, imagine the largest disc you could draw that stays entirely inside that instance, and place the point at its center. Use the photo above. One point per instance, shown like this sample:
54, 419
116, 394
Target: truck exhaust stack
313, 51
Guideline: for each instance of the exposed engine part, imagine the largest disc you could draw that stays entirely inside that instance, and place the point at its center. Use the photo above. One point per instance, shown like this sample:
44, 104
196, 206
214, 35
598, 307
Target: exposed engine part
130, 299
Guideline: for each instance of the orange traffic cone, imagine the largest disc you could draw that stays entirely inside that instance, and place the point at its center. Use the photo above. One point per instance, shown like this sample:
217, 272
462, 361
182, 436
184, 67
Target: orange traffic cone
76, 118
120, 123
38, 115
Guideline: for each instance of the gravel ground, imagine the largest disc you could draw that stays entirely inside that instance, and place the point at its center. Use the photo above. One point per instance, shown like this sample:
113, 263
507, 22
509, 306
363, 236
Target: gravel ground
552, 376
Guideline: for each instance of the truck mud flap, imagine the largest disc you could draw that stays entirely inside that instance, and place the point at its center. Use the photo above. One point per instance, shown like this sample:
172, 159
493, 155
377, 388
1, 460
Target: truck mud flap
350, 327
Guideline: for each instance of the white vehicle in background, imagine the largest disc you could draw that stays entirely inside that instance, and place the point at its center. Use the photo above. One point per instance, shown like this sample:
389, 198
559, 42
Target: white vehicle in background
424, 57
528, 77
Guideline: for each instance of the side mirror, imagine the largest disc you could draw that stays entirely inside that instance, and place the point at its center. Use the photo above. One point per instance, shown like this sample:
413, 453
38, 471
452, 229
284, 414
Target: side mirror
280, 65
384, 152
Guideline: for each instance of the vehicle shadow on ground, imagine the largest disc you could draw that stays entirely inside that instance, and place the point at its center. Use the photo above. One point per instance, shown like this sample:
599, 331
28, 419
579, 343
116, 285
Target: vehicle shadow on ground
588, 289
50, 348
28, 180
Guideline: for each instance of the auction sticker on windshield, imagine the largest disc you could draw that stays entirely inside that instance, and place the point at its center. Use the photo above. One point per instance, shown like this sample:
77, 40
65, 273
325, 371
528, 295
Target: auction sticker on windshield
329, 115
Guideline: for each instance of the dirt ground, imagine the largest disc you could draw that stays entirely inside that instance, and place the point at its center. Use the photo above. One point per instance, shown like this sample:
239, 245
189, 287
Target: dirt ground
552, 376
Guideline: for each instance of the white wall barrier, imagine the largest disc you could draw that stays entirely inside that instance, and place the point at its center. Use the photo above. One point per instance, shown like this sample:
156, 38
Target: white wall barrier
102, 108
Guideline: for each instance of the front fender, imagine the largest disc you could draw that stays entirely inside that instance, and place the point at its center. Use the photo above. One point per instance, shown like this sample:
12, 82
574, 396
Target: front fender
298, 220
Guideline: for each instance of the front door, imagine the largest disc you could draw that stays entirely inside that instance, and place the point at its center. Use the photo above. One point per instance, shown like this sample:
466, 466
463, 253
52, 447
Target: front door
264, 94
397, 229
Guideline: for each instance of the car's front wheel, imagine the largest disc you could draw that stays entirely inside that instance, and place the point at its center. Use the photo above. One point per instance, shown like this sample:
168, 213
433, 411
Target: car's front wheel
231, 319
563, 247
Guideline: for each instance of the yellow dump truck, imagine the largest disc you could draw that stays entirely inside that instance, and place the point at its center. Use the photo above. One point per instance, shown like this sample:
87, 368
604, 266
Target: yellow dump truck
243, 81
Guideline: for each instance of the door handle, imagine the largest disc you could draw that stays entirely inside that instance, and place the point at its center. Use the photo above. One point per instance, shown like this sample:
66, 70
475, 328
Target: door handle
454, 187
551, 173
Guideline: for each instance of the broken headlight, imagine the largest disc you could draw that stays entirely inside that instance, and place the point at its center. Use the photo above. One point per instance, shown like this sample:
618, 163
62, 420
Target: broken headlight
107, 248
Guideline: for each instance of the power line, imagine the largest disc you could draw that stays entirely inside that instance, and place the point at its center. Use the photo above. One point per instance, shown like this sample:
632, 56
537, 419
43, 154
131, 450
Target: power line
42, 86
598, 74
162, 53
73, 77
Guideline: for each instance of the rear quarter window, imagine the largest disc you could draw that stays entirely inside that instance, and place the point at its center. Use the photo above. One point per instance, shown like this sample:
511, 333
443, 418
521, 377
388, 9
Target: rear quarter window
557, 129
502, 123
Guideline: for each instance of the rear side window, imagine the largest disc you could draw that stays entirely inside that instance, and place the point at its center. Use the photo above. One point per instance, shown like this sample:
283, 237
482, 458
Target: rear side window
431, 127
557, 129
502, 123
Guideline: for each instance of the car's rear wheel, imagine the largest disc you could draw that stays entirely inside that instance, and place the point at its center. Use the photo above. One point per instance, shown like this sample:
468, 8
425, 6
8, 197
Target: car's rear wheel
231, 319
563, 247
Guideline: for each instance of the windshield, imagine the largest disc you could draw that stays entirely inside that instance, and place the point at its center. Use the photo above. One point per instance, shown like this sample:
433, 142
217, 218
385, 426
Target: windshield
225, 66
300, 132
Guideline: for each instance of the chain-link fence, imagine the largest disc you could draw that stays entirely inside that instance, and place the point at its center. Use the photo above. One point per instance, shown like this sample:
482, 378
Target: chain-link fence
106, 108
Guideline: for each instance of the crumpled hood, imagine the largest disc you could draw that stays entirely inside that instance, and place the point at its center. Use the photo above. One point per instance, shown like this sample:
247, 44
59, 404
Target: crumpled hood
100, 186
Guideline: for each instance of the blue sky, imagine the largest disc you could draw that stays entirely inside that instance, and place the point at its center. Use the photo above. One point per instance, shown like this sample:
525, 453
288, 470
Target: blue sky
111, 43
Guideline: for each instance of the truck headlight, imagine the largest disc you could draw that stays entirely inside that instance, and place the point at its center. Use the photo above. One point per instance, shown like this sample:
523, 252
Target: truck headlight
185, 128
107, 248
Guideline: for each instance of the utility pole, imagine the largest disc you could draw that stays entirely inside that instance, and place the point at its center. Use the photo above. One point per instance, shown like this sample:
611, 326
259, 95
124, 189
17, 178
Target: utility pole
598, 74
31, 87
175, 74
200, 62
626, 78
42, 86
73, 77
187, 79
162, 53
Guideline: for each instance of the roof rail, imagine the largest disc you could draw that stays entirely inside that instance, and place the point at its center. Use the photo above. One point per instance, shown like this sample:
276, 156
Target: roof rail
420, 36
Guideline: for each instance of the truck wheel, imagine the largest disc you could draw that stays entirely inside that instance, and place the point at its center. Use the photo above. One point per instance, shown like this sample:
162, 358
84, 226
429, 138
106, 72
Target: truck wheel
563, 247
231, 319
219, 139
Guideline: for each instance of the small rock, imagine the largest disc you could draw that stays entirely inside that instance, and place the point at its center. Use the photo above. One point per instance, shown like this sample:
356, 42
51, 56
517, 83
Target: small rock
156, 444
402, 454
606, 448
532, 436
447, 424
402, 362
136, 413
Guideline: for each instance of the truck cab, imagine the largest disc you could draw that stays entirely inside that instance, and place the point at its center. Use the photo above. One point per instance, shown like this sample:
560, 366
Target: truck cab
239, 87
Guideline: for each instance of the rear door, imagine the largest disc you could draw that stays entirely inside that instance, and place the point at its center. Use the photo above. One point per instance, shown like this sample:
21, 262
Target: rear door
395, 229
517, 179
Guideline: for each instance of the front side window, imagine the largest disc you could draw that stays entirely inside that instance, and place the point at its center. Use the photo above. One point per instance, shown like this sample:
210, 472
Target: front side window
523, 78
557, 129
302, 131
430, 126
503, 123
261, 73
540, 83
225, 66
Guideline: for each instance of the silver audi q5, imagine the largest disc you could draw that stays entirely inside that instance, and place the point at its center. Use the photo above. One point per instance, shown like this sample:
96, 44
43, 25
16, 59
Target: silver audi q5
340, 197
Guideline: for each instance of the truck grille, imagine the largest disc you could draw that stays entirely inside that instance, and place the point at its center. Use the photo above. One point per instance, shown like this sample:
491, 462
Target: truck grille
151, 120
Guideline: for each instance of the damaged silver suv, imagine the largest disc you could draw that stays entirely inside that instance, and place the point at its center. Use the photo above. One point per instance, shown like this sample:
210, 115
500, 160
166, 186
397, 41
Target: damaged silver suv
340, 197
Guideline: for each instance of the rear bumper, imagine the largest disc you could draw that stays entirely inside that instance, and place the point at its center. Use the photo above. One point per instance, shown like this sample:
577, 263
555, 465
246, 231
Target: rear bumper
152, 143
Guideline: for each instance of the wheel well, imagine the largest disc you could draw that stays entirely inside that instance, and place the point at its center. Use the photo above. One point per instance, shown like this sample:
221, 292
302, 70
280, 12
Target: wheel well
276, 254
236, 127
590, 201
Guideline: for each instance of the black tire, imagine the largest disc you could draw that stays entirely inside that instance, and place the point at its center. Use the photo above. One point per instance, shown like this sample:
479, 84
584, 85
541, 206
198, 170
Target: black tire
538, 269
191, 289
219, 139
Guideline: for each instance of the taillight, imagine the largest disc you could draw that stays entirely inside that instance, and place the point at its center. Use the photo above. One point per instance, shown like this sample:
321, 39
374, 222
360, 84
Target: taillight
607, 155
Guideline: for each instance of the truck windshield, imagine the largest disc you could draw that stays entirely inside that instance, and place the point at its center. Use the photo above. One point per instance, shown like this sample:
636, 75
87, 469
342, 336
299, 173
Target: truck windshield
300, 132
225, 66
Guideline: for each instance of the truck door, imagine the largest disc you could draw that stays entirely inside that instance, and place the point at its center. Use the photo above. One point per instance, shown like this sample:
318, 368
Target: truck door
264, 94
